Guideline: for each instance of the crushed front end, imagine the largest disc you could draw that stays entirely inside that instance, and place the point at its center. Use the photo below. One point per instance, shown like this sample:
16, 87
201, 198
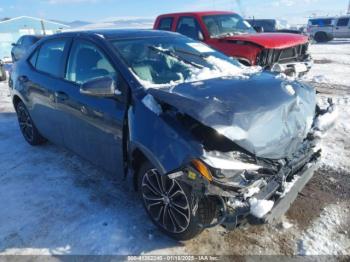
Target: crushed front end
254, 190
292, 60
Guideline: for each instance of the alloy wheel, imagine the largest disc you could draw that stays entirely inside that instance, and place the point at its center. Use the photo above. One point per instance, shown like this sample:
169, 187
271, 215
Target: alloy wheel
25, 123
166, 201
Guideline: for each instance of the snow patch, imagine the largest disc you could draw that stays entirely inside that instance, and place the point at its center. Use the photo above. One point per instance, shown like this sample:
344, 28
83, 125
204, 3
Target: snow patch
326, 121
259, 208
323, 237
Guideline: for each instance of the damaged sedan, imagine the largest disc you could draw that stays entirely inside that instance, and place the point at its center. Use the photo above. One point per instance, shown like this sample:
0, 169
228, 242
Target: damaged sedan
206, 140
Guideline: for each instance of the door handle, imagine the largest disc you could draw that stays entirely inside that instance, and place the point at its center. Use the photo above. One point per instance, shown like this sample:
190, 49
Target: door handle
61, 96
23, 78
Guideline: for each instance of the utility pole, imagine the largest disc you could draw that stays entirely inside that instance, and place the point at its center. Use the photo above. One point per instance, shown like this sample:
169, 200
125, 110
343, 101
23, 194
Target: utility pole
43, 27
349, 8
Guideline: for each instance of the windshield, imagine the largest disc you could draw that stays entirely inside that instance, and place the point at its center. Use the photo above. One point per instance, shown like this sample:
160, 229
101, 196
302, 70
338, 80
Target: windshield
268, 25
226, 25
174, 60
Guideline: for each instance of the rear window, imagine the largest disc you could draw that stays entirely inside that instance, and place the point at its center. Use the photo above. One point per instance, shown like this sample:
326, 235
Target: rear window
320, 22
50, 57
166, 23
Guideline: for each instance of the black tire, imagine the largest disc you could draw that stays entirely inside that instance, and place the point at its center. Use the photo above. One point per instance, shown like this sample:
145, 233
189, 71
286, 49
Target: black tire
321, 37
176, 226
26, 124
2, 73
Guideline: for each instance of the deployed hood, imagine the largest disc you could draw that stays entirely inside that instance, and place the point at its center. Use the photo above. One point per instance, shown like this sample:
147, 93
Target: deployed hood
266, 116
270, 40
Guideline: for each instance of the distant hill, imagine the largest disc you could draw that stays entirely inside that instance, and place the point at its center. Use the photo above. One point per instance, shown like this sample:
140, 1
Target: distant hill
119, 22
73, 24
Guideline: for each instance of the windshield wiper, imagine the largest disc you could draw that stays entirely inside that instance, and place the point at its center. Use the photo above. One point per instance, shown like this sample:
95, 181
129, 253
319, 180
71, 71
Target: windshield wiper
190, 53
172, 54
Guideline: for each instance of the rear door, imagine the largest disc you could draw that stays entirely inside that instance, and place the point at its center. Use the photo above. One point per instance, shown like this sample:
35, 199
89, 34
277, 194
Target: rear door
342, 27
42, 84
93, 127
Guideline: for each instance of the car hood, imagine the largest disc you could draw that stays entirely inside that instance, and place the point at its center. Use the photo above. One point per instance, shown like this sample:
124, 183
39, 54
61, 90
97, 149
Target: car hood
270, 40
263, 114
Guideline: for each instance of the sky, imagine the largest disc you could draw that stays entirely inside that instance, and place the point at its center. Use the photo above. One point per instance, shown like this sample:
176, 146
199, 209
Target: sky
295, 11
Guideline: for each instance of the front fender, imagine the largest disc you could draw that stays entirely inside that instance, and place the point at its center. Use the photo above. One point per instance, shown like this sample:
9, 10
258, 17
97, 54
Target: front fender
161, 139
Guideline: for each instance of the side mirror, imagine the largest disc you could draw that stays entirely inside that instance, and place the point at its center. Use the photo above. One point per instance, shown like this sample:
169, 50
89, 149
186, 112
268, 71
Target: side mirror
258, 28
100, 87
14, 44
200, 36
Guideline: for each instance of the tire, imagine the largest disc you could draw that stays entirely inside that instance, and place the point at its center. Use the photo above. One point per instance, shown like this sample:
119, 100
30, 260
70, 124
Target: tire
26, 124
157, 200
2, 73
321, 37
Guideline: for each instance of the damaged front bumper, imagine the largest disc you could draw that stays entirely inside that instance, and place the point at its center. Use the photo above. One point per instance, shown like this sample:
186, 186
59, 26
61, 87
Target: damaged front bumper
261, 191
293, 68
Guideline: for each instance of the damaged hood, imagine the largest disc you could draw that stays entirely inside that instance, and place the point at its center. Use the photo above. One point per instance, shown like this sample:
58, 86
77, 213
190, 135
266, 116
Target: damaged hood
263, 114
270, 40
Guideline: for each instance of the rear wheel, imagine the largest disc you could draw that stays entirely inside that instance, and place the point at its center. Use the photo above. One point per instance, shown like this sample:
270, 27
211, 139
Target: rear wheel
171, 204
28, 129
321, 37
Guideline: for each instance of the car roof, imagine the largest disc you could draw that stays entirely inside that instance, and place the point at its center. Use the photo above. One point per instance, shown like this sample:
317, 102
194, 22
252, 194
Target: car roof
120, 33
33, 36
199, 13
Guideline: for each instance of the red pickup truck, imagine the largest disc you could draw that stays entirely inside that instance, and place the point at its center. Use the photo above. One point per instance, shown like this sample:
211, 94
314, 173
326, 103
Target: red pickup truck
231, 34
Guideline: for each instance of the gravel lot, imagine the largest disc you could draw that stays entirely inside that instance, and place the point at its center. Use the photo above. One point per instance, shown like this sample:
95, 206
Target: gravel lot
53, 202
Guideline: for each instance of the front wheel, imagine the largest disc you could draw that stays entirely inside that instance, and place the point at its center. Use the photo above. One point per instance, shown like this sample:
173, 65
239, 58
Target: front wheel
171, 204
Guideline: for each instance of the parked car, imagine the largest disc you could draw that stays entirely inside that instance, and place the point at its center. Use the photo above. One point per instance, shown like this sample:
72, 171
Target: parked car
325, 29
235, 37
22, 46
207, 140
271, 26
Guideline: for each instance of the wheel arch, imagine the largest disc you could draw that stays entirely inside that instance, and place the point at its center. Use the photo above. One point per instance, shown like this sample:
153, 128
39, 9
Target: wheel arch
138, 156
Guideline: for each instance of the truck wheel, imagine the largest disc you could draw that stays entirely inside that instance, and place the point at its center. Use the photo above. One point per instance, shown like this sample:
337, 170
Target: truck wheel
28, 129
170, 204
321, 37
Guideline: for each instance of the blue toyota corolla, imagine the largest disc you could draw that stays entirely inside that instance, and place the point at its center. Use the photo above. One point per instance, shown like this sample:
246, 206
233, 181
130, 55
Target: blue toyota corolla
207, 140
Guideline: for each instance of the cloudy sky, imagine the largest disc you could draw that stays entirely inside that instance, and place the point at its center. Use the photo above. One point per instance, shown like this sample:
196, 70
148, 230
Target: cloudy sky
296, 11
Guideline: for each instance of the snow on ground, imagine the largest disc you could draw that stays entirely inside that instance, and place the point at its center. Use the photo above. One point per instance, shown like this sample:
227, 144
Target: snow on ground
332, 61
53, 202
328, 234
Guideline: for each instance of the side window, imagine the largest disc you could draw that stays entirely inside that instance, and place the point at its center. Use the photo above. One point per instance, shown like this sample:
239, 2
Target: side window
33, 58
189, 26
166, 23
26, 41
87, 62
50, 57
343, 22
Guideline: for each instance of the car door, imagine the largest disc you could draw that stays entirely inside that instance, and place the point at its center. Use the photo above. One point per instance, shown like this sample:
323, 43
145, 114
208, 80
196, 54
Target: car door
42, 81
342, 28
93, 127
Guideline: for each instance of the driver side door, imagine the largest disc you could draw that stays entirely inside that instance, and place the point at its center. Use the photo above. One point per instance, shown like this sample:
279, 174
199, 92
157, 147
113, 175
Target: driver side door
93, 126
